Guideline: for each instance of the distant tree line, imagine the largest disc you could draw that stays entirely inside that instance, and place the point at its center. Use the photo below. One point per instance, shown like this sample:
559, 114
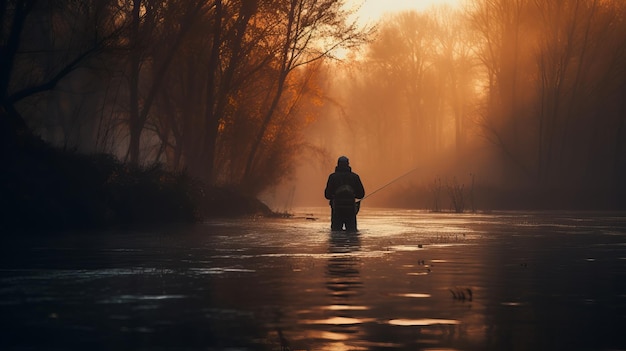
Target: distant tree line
529, 96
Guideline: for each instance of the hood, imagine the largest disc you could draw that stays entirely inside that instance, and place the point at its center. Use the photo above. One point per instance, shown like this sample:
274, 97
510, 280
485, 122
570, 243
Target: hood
343, 168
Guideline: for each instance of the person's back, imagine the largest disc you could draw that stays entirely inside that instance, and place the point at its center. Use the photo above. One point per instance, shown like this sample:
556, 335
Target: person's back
342, 188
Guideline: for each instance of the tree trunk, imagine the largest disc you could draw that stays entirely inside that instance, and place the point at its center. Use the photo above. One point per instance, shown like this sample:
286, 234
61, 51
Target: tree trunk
286, 63
7, 58
134, 124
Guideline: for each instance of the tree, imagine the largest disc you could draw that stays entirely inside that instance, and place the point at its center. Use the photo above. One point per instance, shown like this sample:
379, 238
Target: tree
504, 55
309, 30
455, 57
35, 56
143, 19
411, 93
240, 86
552, 91
212, 63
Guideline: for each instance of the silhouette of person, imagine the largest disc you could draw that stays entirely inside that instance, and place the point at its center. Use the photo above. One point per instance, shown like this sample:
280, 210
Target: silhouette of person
342, 188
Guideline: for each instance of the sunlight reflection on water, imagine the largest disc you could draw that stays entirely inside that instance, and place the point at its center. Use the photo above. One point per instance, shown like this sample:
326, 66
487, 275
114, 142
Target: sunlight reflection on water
422, 322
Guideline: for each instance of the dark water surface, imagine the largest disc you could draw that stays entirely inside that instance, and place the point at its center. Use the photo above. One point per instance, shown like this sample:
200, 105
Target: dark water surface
408, 280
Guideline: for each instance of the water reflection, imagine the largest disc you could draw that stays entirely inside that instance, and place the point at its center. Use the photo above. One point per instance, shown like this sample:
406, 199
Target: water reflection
345, 286
400, 284
342, 271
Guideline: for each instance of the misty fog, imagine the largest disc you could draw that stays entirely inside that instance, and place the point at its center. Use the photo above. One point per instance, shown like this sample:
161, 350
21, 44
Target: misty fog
496, 104
518, 106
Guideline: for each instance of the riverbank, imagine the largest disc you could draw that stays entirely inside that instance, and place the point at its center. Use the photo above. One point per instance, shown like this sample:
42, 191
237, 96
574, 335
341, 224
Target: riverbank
43, 187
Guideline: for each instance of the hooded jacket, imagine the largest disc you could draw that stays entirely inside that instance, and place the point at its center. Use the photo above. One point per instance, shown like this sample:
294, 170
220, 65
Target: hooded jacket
344, 175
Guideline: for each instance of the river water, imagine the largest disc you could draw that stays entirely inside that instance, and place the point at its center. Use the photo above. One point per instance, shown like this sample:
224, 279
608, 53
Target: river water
408, 280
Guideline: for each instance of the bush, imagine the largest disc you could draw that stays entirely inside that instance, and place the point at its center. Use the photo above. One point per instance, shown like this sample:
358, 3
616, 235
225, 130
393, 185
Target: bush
44, 188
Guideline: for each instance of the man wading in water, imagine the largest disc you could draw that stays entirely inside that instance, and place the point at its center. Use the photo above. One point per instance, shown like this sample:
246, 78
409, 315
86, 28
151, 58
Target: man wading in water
342, 188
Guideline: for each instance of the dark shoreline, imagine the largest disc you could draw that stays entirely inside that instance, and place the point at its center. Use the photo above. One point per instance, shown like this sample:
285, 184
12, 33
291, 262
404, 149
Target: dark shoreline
47, 188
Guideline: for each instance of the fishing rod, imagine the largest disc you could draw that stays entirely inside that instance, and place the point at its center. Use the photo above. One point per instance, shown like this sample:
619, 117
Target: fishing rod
388, 184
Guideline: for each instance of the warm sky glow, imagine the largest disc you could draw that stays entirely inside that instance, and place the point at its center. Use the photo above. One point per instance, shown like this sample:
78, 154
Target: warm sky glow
372, 10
